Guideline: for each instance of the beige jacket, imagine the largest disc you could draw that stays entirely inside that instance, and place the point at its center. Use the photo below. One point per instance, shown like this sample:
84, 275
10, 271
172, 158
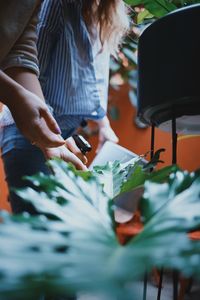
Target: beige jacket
18, 20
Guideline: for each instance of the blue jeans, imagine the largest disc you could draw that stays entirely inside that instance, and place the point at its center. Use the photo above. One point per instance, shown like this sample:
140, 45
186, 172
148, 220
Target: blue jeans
21, 158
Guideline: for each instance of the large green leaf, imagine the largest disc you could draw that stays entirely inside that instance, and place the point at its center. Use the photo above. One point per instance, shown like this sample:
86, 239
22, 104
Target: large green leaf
113, 175
119, 177
139, 176
158, 8
173, 209
29, 256
170, 212
145, 14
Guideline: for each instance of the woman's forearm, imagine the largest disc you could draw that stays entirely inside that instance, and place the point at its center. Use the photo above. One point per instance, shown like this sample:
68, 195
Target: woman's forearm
27, 79
30, 113
14, 83
8, 89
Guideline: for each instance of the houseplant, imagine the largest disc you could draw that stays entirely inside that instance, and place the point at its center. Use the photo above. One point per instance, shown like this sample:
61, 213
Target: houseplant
71, 245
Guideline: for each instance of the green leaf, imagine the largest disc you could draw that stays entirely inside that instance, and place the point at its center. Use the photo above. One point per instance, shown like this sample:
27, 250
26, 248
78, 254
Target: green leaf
145, 14
134, 2
154, 160
114, 113
130, 55
136, 179
173, 200
133, 98
139, 175
111, 176
116, 177
133, 78
114, 66
157, 8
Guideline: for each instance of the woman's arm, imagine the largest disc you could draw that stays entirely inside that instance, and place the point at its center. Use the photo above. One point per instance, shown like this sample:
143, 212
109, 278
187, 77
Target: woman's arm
21, 90
106, 133
29, 111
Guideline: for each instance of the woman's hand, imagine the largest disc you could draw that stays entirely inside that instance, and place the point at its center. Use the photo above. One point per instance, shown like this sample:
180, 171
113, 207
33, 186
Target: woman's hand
106, 133
21, 92
34, 120
69, 153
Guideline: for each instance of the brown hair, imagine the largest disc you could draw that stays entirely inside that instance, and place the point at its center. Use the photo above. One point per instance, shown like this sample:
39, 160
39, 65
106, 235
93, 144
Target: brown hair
110, 16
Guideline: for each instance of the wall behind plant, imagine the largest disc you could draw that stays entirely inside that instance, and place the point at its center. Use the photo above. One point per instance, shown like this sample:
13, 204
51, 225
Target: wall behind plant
3, 190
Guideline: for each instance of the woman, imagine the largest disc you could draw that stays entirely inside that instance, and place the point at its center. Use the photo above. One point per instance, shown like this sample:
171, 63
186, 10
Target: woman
75, 39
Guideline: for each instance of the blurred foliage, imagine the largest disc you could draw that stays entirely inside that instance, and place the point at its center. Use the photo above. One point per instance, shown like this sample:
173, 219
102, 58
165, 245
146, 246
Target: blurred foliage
159, 8
71, 245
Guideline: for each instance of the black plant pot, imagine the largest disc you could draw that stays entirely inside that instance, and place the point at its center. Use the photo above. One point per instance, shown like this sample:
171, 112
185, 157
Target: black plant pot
169, 71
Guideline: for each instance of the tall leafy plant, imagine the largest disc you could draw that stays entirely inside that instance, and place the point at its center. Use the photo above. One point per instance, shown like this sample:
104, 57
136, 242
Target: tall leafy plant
159, 8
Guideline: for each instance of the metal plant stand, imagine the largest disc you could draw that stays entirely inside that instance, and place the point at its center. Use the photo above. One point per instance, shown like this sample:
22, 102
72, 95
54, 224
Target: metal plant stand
174, 161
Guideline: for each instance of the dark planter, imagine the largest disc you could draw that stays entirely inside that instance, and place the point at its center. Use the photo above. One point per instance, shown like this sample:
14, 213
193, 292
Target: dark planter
169, 71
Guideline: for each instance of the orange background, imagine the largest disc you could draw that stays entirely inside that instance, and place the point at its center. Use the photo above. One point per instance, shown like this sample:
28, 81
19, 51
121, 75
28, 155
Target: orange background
137, 140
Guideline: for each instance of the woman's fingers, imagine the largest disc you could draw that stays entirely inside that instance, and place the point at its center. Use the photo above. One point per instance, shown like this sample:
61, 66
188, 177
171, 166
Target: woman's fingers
79, 165
50, 121
71, 145
106, 134
43, 136
64, 153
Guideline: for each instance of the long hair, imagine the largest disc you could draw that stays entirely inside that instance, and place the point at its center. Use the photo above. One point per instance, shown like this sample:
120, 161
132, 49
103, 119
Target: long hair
111, 17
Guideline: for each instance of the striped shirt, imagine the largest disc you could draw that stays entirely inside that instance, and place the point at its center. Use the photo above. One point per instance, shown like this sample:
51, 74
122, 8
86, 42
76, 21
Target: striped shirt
73, 68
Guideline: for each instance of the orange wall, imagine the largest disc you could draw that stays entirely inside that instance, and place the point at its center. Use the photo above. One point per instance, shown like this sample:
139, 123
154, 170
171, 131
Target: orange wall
137, 140
3, 190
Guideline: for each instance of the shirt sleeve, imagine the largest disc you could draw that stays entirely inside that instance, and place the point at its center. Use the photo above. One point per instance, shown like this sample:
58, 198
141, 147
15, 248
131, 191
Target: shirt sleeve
24, 52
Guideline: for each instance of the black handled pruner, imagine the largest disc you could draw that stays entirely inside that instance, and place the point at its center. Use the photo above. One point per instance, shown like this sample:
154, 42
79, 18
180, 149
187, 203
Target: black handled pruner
82, 144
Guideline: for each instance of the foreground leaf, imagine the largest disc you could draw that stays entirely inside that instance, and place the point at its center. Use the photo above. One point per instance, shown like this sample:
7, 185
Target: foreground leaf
72, 246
